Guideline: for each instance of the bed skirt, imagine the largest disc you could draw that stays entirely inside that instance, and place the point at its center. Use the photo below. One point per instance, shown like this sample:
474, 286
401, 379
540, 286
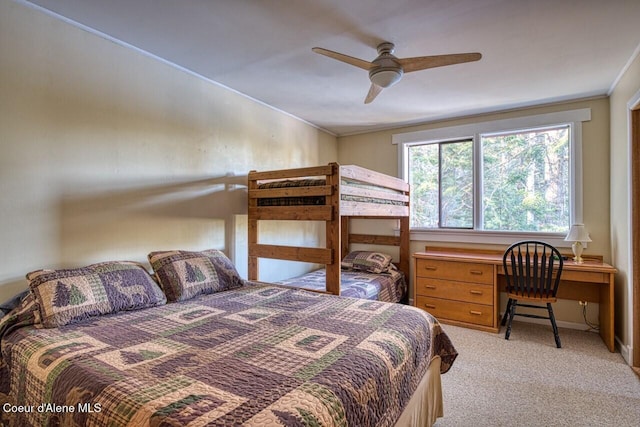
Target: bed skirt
425, 405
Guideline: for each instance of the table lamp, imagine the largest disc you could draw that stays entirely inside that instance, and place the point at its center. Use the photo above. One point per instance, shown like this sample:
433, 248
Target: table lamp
577, 234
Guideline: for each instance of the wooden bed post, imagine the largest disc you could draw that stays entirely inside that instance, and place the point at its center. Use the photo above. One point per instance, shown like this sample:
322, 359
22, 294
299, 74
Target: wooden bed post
333, 233
404, 246
344, 240
252, 235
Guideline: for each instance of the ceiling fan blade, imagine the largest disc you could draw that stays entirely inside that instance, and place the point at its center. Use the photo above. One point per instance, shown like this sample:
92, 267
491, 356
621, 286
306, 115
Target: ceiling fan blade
374, 90
360, 63
424, 62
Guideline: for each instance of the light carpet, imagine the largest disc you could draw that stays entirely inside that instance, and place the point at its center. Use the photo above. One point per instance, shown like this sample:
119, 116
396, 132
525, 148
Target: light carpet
527, 381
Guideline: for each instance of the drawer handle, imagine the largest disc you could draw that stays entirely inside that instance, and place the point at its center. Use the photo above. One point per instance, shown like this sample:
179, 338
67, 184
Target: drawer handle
474, 292
477, 313
429, 286
476, 272
430, 267
429, 306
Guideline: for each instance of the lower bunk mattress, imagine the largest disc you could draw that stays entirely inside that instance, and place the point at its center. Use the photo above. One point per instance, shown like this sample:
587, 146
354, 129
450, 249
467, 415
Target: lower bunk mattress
389, 286
257, 355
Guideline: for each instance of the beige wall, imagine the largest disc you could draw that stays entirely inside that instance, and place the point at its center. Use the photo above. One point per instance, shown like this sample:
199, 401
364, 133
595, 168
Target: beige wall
625, 90
107, 153
375, 150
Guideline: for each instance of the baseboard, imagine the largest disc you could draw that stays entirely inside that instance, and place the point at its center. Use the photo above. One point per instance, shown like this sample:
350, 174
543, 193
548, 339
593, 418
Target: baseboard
560, 323
626, 351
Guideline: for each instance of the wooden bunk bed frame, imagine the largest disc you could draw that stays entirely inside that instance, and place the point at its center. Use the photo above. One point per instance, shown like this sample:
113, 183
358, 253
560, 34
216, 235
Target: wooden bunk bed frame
335, 212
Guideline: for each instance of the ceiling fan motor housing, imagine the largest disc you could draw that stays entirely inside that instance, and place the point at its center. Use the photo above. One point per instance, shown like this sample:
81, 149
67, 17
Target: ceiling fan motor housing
387, 71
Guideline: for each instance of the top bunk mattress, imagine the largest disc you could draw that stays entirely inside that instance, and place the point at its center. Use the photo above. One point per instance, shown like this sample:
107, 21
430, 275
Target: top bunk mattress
321, 200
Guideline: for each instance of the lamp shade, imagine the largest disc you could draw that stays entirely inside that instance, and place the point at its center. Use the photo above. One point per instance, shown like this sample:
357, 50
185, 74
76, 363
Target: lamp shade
578, 233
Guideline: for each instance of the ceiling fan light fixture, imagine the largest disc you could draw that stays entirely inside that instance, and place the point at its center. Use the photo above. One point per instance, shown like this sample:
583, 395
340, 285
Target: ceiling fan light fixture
385, 77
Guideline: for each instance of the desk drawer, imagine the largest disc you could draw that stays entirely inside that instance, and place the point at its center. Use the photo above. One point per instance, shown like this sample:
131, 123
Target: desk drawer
478, 314
459, 291
455, 270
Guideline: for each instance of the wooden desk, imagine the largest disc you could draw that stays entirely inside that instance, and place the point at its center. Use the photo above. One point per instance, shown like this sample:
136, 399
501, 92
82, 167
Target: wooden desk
466, 285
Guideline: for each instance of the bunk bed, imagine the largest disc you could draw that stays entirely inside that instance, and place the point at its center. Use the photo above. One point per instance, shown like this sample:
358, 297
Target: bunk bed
334, 194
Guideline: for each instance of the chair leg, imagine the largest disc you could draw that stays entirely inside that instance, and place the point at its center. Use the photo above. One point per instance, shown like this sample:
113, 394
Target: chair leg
506, 313
512, 314
554, 326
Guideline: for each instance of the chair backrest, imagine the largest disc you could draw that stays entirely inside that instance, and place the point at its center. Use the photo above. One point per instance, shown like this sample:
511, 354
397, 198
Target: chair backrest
532, 268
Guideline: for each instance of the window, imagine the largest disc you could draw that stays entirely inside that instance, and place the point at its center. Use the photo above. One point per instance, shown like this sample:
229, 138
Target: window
525, 180
441, 178
504, 178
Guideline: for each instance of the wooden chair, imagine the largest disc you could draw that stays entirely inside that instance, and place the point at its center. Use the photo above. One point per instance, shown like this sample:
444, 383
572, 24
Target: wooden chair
532, 270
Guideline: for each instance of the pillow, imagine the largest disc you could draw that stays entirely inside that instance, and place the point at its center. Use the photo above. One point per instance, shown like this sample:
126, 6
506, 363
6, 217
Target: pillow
371, 262
184, 275
72, 295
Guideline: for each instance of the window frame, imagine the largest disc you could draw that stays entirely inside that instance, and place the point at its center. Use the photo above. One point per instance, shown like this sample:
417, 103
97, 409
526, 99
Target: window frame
473, 131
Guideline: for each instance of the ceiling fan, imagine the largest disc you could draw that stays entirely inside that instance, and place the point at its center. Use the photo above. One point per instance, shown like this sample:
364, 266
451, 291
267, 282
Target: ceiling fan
387, 70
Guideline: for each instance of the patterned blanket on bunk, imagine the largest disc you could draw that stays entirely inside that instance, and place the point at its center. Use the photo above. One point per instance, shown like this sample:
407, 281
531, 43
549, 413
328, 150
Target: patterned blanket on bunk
389, 287
258, 355
292, 201
318, 200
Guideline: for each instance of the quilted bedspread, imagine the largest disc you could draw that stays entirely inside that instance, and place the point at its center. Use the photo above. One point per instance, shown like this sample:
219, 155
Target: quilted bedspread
390, 287
258, 355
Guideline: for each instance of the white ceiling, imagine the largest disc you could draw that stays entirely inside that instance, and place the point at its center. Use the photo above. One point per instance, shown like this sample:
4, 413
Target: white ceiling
534, 51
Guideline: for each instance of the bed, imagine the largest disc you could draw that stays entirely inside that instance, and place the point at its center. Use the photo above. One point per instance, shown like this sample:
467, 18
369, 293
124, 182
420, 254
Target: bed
334, 194
212, 350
